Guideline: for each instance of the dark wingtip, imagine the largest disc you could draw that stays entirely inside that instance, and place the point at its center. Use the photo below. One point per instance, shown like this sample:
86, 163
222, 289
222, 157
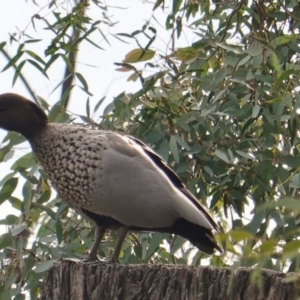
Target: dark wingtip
199, 236
208, 247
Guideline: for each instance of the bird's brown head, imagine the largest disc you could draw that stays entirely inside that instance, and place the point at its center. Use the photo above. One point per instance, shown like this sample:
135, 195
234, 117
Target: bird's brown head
21, 115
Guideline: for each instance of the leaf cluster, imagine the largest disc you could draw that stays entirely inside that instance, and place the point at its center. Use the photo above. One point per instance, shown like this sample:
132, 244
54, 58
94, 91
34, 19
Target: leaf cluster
222, 110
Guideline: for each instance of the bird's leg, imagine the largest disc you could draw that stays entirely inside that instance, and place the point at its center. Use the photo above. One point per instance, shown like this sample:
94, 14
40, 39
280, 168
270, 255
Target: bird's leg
98, 237
122, 232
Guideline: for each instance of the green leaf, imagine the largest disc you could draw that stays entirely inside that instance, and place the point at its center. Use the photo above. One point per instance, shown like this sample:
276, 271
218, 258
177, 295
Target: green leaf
284, 39
2, 44
255, 51
44, 266
87, 108
9, 220
238, 235
33, 41
12, 62
68, 63
3, 153
243, 61
27, 197
18, 71
219, 77
138, 55
98, 104
255, 111
83, 82
57, 113
158, 3
174, 148
291, 249
235, 50
48, 210
37, 66
6, 295
63, 207
44, 197
187, 53
14, 139
7, 189
52, 59
18, 228
287, 202
42, 102
15, 202
35, 56
109, 108
164, 149
5, 240
291, 161
256, 221
177, 244
24, 162
6, 177
244, 154
155, 241
20, 297
275, 64
176, 6
182, 143
222, 155
284, 76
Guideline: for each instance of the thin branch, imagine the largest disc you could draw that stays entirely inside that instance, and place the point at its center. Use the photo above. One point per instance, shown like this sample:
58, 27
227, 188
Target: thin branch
72, 58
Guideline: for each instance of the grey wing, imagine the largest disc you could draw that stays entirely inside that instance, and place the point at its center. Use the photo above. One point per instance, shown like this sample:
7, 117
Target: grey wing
138, 189
173, 177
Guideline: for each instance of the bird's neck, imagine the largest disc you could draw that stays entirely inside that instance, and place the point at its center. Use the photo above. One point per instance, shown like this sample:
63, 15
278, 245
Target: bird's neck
34, 133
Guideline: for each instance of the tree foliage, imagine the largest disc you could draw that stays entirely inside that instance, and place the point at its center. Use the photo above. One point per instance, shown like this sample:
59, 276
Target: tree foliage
222, 110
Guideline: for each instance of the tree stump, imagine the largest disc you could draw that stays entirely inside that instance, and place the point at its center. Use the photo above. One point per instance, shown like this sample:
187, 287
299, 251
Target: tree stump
71, 280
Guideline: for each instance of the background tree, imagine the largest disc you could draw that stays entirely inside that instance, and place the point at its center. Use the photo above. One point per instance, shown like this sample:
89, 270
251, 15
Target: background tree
223, 110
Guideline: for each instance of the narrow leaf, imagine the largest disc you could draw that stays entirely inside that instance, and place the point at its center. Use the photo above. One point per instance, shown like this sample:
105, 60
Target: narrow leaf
8, 188
138, 55
99, 104
174, 148
176, 6
222, 155
44, 266
18, 72
35, 56
83, 81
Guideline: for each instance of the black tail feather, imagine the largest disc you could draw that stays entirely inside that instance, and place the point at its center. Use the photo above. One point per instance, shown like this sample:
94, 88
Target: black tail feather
200, 236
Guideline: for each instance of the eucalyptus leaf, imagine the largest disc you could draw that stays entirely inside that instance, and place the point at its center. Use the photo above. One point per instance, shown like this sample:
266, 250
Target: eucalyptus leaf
44, 266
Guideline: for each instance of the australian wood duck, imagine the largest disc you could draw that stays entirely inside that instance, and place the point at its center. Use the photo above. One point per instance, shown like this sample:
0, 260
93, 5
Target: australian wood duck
113, 179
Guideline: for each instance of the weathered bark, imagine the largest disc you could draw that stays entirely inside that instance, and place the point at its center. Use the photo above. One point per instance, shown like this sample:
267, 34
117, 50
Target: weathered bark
70, 280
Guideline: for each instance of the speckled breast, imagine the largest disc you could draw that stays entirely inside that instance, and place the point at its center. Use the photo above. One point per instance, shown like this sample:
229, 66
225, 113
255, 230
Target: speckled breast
71, 157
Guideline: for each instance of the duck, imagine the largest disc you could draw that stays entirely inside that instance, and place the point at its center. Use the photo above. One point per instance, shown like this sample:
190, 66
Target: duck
110, 178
